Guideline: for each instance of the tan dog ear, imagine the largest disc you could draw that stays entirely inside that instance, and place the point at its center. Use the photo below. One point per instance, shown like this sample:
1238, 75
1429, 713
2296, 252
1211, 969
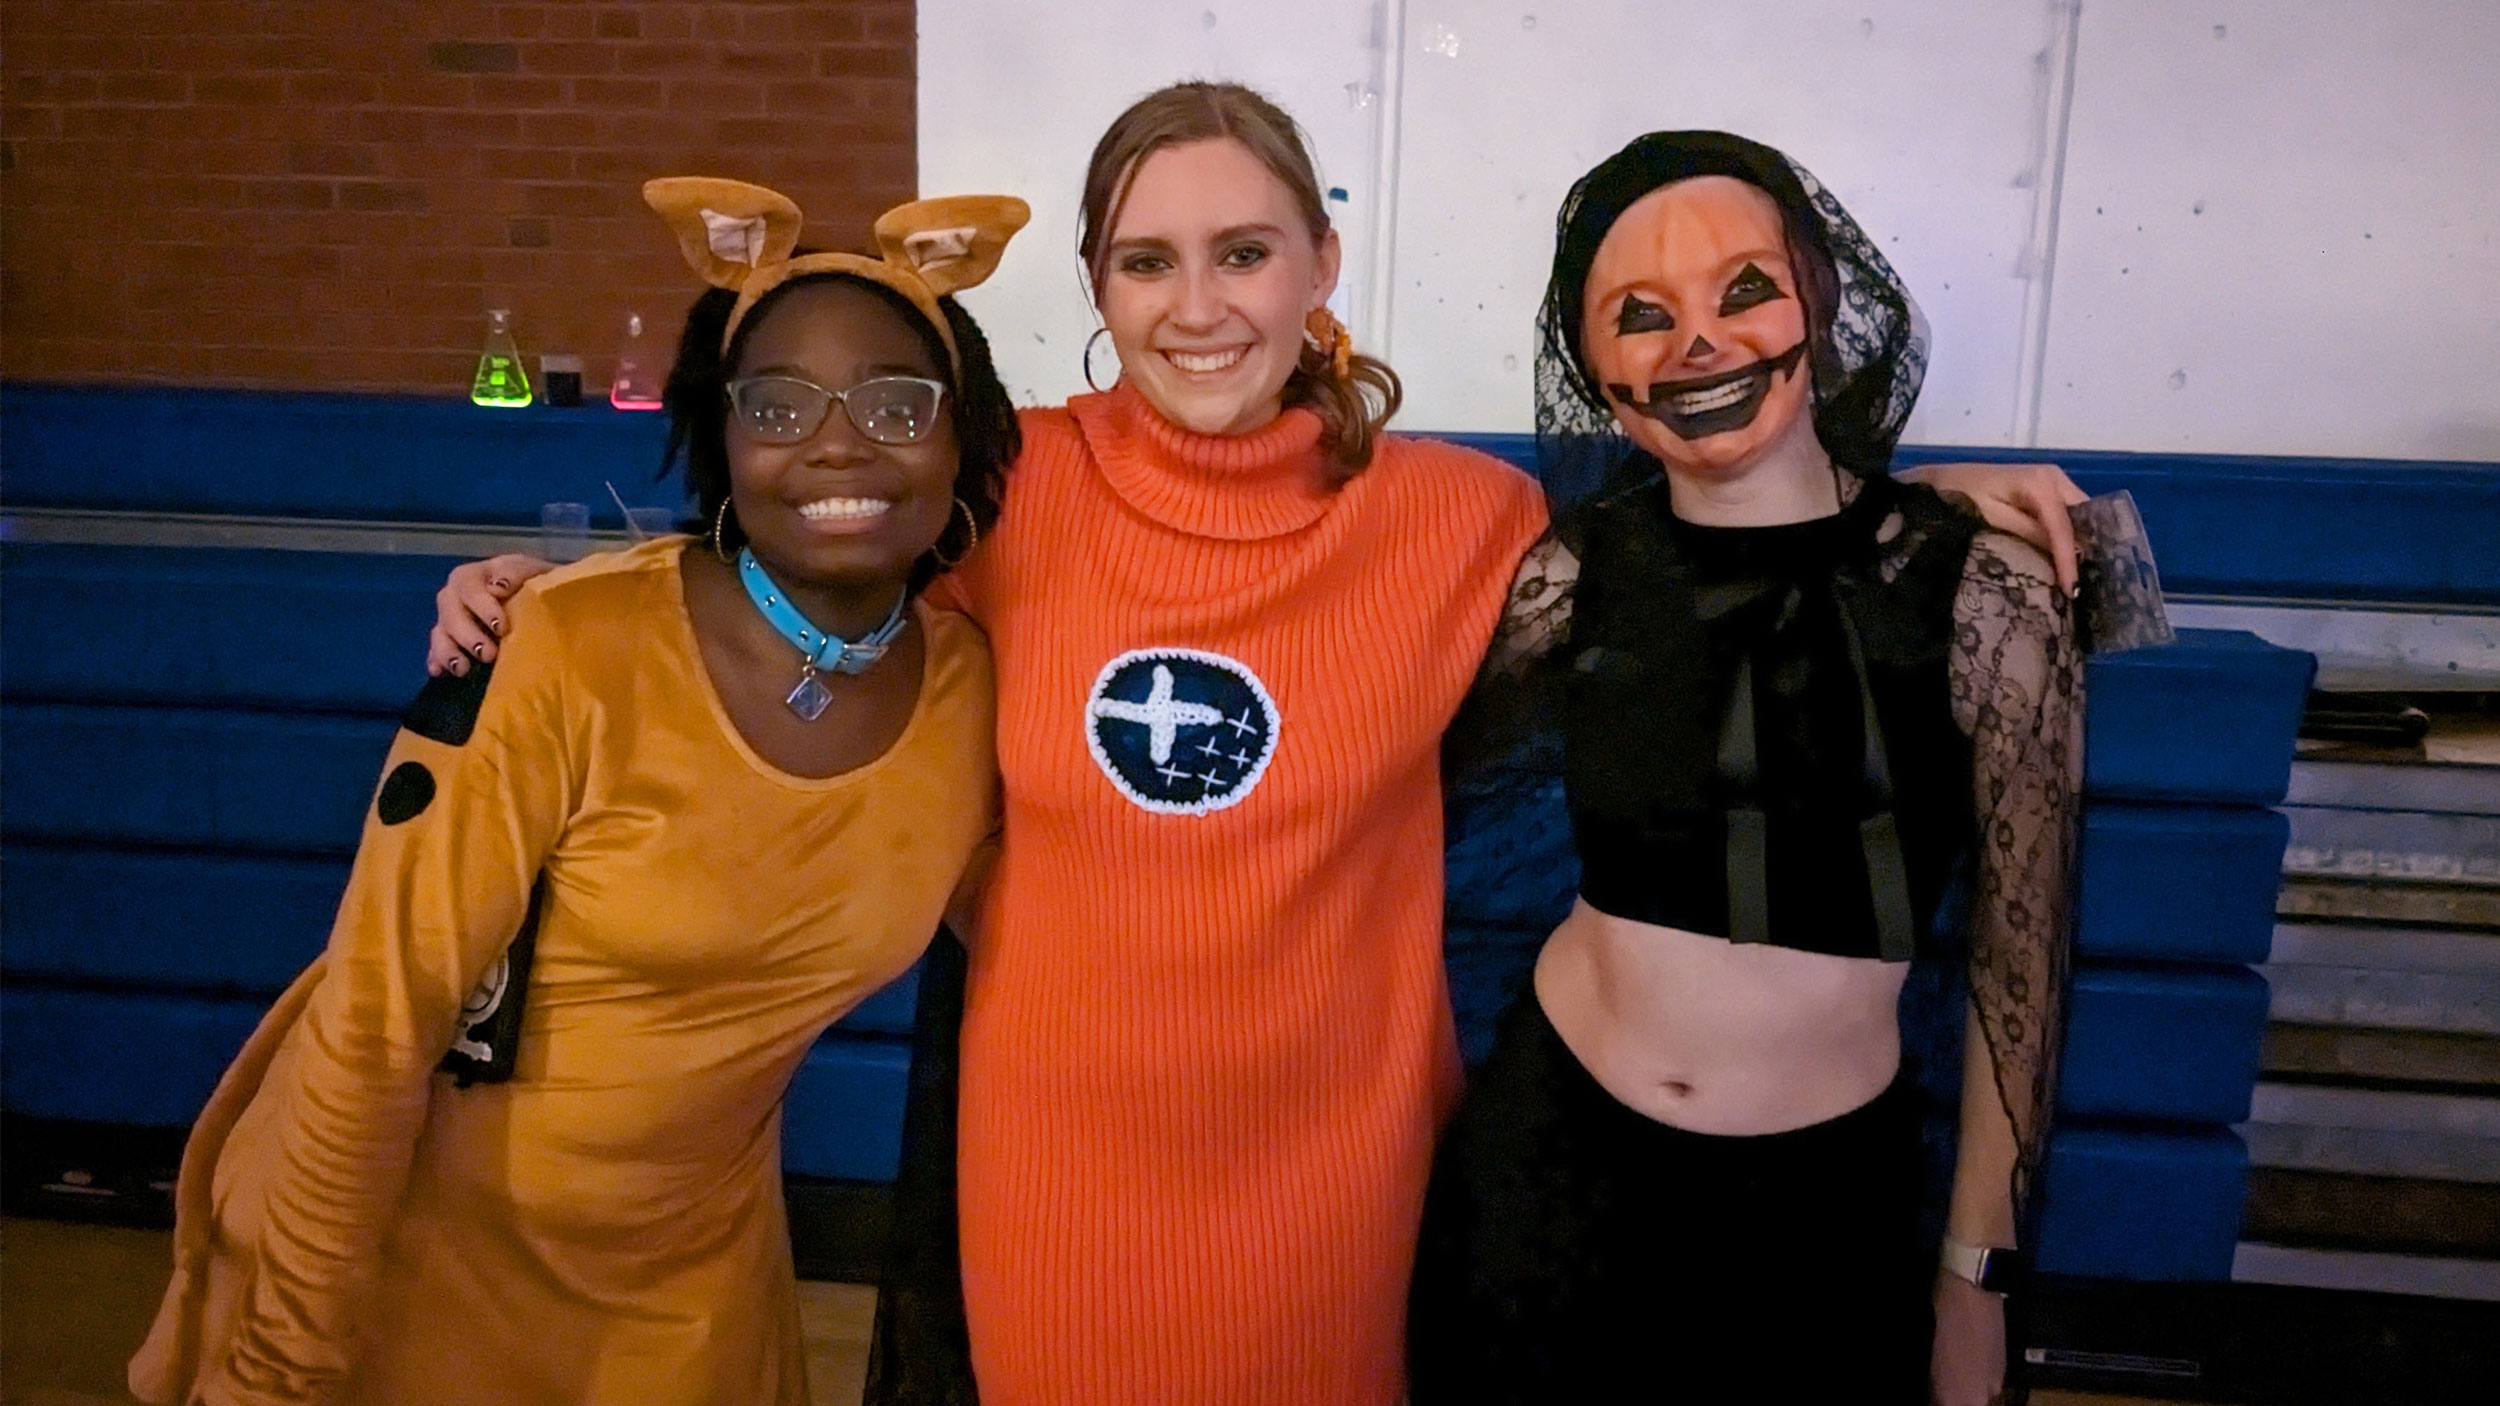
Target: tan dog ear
726, 229
953, 242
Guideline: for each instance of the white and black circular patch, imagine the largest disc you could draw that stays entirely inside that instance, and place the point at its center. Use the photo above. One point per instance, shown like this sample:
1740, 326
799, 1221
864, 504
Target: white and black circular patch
1180, 731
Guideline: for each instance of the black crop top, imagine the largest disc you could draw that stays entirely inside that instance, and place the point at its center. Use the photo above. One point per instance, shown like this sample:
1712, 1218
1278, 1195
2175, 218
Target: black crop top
1977, 692
1759, 739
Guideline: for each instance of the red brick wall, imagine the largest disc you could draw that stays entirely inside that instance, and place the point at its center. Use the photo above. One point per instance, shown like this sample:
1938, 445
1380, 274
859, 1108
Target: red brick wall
328, 194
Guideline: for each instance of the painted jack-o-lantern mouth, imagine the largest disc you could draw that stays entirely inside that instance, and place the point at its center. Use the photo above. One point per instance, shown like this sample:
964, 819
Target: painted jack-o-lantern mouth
1708, 405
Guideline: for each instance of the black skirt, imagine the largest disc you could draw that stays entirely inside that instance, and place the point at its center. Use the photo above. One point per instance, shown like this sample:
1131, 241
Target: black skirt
1575, 1250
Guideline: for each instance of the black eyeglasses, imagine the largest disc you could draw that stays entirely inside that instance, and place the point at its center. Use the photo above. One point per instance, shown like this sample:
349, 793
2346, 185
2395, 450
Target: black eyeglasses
886, 409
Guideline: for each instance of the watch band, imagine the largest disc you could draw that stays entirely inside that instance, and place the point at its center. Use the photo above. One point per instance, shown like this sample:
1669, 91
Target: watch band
1991, 1267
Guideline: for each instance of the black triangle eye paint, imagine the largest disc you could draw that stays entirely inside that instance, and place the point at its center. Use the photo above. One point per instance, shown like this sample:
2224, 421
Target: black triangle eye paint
1639, 316
1751, 288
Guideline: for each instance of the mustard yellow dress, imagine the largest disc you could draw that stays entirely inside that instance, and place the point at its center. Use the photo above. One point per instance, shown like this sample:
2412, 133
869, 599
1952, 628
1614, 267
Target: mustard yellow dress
606, 1226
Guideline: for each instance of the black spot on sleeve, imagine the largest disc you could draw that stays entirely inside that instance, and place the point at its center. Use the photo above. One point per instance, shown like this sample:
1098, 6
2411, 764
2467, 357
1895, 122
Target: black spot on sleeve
406, 792
446, 708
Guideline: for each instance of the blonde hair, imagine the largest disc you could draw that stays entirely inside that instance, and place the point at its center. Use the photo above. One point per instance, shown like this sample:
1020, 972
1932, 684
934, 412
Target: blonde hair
1351, 409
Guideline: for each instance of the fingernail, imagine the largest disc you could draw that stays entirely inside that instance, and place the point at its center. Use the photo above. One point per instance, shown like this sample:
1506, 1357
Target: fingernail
460, 666
495, 626
499, 583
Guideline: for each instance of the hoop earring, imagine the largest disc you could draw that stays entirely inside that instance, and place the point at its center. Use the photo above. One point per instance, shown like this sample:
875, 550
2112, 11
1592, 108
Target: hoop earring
1099, 334
720, 526
971, 524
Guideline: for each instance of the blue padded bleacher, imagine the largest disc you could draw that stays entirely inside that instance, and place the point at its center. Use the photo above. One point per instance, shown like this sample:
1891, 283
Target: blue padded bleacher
113, 1055
199, 778
289, 630
2179, 860
85, 913
190, 734
2148, 1201
844, 1116
2210, 718
378, 457
2178, 883
2172, 1041
2247, 526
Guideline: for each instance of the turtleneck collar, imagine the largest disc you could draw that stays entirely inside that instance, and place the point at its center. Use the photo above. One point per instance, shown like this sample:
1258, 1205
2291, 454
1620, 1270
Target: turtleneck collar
1266, 483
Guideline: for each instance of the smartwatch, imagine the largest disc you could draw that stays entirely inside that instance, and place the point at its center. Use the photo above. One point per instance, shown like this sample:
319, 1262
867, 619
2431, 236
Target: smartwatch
1993, 1268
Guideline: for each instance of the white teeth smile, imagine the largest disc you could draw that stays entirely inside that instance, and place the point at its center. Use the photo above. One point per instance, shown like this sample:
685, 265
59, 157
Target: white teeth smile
1206, 361
1703, 402
843, 509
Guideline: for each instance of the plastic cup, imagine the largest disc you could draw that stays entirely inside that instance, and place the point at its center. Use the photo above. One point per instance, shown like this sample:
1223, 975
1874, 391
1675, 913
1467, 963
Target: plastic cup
564, 531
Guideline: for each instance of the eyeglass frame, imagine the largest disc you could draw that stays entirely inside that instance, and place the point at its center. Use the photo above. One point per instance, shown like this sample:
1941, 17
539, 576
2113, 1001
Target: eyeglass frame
937, 406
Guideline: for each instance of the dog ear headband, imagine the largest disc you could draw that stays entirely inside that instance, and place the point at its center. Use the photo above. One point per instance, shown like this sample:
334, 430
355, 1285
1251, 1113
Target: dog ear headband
740, 236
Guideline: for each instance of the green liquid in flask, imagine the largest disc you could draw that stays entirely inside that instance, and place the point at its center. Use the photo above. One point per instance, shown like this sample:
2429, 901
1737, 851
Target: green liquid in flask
500, 380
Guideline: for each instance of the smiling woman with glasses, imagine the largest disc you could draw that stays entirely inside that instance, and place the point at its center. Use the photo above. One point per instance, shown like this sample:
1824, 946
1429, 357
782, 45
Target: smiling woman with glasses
783, 409
515, 1136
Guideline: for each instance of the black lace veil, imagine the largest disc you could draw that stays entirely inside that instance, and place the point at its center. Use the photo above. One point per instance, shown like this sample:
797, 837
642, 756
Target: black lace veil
1867, 341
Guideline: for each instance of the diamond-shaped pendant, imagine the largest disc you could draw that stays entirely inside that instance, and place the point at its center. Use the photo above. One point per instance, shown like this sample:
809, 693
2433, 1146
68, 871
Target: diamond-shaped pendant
811, 698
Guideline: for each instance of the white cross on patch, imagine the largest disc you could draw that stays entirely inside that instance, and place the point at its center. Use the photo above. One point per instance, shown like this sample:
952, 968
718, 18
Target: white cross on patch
1149, 705
1163, 717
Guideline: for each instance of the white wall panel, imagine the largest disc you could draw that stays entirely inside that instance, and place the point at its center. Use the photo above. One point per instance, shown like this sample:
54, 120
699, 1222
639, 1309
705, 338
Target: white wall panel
2281, 230
2276, 226
1921, 115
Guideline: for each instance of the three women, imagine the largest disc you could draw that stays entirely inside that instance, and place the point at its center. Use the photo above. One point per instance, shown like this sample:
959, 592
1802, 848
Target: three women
1207, 1038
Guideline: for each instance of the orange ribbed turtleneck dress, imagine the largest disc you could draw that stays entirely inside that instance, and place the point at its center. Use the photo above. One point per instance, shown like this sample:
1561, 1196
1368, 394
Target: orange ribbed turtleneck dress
1207, 1038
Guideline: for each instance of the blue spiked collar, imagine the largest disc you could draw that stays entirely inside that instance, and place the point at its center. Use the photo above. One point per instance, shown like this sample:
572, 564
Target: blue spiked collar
819, 651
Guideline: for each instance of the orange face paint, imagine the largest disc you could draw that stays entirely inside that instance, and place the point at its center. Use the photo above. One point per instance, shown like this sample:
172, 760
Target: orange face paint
1694, 327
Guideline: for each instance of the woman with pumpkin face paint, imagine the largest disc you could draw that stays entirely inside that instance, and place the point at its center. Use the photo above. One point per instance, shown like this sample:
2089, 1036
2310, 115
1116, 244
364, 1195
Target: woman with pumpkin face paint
1808, 712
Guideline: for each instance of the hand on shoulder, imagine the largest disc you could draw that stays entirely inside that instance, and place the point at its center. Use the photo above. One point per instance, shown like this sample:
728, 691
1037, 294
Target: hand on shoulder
469, 613
2027, 500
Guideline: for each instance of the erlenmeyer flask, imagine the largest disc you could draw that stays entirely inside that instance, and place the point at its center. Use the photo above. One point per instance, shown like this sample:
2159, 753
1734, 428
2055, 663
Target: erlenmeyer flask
500, 379
637, 383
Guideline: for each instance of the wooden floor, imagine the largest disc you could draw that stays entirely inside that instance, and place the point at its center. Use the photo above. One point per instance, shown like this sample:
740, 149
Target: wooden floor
75, 1299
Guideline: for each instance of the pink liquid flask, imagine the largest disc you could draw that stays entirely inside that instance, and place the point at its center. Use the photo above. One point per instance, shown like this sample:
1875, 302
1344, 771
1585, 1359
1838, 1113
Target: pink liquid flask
637, 383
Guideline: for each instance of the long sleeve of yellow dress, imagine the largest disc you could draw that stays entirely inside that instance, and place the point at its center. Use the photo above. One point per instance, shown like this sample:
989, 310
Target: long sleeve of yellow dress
464, 816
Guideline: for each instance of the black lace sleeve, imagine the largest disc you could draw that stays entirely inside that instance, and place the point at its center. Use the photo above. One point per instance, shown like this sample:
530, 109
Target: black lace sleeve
2017, 691
1537, 614
1512, 702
